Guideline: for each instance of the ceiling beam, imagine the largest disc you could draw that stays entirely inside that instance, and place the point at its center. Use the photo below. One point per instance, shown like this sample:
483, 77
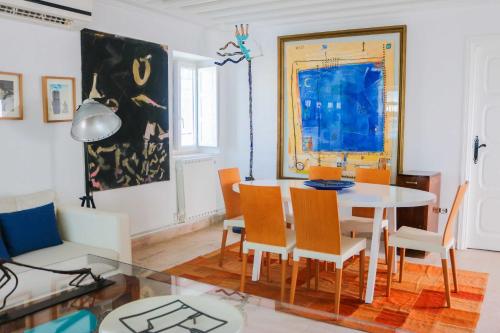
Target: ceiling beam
183, 3
267, 6
317, 16
327, 7
224, 5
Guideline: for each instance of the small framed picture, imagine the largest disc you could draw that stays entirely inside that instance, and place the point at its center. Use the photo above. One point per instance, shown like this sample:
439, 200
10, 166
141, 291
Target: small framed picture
11, 96
59, 98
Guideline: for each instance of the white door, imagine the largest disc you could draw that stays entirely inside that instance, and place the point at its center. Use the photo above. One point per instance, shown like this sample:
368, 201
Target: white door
483, 211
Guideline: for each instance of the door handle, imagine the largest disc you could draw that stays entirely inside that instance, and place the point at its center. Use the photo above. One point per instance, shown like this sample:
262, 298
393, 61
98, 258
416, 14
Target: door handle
477, 146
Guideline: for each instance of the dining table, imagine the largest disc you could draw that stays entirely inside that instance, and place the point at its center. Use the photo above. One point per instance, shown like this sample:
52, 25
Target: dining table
379, 197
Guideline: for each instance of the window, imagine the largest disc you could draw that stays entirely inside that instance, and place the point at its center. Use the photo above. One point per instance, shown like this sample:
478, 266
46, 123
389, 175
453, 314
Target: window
195, 106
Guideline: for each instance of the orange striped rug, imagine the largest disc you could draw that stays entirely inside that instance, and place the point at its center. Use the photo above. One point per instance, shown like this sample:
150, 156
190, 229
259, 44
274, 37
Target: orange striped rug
415, 305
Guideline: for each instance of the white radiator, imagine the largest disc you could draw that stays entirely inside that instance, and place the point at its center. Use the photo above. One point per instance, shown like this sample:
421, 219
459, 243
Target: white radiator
196, 188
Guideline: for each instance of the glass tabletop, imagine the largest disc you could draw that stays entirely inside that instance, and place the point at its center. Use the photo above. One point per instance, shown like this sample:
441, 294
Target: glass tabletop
130, 283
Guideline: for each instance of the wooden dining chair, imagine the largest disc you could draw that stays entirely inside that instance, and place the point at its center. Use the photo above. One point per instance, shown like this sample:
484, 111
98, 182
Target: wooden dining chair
265, 227
234, 217
423, 240
325, 173
362, 218
319, 237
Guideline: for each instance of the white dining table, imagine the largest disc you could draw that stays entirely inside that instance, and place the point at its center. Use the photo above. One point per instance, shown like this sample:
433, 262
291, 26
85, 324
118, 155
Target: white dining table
375, 196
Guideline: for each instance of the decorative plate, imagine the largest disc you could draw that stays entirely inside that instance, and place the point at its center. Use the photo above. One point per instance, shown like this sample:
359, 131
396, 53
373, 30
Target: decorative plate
336, 185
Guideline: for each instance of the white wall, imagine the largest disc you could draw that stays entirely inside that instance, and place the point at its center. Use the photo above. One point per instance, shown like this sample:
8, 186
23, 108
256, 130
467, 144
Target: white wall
435, 85
36, 156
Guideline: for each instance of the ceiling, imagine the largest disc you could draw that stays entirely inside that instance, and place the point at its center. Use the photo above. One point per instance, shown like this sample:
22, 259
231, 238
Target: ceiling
226, 13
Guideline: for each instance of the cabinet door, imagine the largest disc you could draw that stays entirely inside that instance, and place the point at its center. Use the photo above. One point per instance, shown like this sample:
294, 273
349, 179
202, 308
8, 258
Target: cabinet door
415, 217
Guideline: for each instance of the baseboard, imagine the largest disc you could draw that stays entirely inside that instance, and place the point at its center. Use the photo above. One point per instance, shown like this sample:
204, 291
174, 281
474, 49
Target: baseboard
174, 231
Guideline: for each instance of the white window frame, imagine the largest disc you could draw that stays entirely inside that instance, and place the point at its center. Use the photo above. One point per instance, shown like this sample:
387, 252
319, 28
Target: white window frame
196, 148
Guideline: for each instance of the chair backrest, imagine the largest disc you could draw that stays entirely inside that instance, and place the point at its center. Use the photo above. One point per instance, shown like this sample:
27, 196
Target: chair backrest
459, 197
325, 173
316, 220
227, 178
263, 213
371, 176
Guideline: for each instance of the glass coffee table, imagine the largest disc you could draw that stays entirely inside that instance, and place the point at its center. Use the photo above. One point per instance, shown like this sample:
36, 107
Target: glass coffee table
131, 283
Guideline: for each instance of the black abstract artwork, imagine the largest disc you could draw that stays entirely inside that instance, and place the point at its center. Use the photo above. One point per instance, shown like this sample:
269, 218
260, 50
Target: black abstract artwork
130, 77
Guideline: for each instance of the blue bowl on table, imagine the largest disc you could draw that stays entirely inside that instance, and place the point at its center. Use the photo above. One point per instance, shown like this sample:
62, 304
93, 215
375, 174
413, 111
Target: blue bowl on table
332, 185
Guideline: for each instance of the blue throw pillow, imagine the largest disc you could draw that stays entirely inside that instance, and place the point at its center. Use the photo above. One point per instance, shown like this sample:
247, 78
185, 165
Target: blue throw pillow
4, 254
30, 230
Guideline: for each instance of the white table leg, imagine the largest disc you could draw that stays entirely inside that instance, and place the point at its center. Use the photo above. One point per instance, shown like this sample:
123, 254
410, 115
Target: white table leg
257, 257
372, 268
393, 227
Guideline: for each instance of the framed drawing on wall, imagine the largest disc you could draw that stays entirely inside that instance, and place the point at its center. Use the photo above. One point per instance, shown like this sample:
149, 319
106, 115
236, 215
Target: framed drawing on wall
11, 96
341, 100
59, 98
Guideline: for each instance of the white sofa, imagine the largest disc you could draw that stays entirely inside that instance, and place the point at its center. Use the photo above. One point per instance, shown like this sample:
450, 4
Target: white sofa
83, 231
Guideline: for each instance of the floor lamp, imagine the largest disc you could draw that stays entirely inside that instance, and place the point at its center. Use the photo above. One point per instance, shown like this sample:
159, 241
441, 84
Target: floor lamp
93, 122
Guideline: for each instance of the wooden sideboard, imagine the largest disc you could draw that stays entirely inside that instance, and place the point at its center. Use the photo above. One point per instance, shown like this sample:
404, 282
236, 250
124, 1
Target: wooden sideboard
427, 217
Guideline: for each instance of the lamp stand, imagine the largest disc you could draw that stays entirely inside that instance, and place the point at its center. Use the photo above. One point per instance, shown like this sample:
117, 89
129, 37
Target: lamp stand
87, 199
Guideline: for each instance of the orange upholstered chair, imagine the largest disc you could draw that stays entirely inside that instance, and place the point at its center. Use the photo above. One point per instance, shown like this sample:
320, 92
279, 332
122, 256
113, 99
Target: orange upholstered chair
265, 227
233, 217
423, 240
319, 236
362, 218
325, 173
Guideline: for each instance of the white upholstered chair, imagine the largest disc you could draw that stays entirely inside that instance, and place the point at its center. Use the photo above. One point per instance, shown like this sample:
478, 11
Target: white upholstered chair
265, 227
318, 237
423, 240
361, 220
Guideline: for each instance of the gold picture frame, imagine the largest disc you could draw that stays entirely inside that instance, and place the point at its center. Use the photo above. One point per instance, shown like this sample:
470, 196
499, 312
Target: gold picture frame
332, 41
59, 98
11, 96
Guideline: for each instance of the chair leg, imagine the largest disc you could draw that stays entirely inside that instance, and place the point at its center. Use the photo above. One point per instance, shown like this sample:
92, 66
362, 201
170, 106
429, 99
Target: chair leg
293, 286
444, 263
316, 274
389, 270
353, 233
454, 269
338, 288
326, 266
268, 268
386, 244
284, 263
242, 238
308, 273
361, 273
223, 246
401, 263
243, 272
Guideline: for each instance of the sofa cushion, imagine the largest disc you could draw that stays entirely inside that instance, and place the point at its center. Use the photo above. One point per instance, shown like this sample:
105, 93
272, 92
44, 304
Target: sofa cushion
27, 201
56, 254
4, 254
30, 229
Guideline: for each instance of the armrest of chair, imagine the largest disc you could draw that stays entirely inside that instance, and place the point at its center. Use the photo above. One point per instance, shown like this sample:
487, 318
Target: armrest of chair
96, 228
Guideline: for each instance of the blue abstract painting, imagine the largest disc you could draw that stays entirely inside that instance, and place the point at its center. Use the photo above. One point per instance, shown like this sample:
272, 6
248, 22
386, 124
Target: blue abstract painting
342, 108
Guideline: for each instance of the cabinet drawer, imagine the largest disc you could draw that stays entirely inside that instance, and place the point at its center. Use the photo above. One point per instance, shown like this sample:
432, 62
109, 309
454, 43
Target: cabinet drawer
416, 182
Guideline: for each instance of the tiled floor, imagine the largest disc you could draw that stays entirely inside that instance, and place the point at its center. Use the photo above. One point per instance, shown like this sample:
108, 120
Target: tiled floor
175, 251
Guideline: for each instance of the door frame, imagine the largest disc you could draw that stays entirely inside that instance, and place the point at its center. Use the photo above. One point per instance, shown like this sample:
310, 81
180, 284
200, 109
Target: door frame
465, 220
